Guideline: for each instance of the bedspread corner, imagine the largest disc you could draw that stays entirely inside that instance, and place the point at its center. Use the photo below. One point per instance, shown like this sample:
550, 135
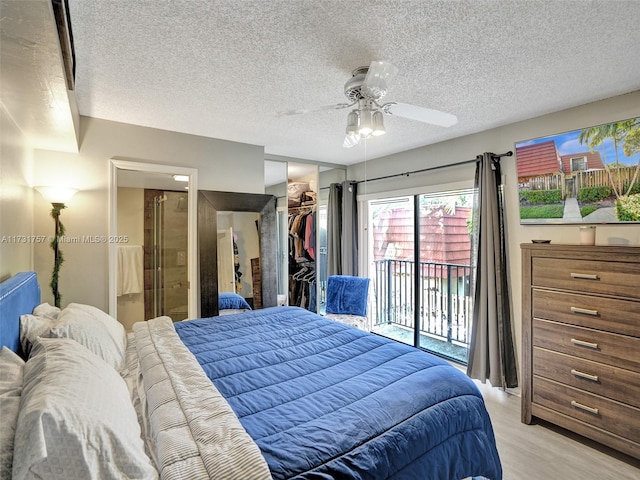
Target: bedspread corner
195, 431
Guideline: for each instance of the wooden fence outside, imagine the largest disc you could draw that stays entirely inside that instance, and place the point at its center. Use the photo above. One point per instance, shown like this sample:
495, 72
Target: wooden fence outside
572, 183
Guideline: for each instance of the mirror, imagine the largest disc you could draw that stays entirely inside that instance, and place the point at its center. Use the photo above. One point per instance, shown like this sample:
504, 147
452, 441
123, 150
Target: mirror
211, 208
152, 248
302, 214
238, 248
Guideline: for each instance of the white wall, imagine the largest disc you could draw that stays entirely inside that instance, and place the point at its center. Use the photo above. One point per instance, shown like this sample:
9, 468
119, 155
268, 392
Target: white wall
221, 165
131, 224
500, 140
16, 199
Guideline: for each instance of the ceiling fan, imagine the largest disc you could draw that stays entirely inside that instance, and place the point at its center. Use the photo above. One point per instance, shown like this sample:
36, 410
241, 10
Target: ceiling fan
364, 90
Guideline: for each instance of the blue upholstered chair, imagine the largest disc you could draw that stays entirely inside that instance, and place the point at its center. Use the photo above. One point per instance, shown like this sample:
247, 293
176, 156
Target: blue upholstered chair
347, 300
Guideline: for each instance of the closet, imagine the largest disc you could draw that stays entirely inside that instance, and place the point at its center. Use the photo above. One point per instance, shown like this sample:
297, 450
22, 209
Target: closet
302, 225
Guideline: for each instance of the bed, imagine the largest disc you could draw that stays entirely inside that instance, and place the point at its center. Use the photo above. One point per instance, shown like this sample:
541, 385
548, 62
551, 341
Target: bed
275, 393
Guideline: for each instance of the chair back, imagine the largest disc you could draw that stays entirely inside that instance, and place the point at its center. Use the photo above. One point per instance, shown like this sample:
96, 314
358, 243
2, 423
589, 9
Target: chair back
347, 295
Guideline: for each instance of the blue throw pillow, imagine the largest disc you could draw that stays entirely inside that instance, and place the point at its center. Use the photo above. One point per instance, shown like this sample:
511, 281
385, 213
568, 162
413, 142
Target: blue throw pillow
233, 301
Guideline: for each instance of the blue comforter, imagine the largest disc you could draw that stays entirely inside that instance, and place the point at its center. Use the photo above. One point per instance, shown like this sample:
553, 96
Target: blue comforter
324, 400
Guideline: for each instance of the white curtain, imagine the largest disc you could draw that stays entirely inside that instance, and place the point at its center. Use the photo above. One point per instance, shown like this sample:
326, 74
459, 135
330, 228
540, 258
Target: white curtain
491, 349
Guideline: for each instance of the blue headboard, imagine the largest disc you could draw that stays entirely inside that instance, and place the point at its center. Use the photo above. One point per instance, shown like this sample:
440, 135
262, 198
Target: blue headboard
18, 294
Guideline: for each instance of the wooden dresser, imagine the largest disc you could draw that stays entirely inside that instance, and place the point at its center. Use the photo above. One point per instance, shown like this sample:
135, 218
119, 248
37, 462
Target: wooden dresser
581, 340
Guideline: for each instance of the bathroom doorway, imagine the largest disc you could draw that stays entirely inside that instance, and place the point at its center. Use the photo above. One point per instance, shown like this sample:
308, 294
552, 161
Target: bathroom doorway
153, 269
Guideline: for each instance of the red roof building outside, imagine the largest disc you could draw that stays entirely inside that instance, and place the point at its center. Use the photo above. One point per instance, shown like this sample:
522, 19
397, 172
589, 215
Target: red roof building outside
444, 237
538, 160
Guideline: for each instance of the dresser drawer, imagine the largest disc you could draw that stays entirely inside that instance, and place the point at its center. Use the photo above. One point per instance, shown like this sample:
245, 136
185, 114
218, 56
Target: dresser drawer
610, 314
605, 380
588, 276
600, 412
609, 348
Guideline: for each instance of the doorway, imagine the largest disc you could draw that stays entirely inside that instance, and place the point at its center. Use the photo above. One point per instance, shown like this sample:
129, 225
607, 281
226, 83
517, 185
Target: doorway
171, 190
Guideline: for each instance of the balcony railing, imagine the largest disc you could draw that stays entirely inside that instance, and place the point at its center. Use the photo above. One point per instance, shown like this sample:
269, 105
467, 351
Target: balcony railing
446, 306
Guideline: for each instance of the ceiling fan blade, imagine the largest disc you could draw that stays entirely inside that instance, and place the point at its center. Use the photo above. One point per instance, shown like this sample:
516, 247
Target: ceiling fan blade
421, 114
379, 75
300, 111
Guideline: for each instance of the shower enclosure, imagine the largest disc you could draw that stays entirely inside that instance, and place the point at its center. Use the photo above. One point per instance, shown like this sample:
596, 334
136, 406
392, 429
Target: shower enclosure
165, 259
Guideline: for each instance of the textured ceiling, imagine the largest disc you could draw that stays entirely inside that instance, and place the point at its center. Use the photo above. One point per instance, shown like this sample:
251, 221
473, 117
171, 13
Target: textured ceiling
224, 68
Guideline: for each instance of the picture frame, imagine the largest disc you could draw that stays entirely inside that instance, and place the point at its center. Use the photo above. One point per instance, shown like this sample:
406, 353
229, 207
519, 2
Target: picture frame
585, 176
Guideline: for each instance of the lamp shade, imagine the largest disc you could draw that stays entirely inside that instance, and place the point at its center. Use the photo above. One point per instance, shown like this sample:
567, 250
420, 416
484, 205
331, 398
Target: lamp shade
352, 123
54, 194
378, 124
366, 123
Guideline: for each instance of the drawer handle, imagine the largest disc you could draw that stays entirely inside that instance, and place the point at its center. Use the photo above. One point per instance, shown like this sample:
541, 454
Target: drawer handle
586, 408
585, 276
582, 343
584, 311
586, 376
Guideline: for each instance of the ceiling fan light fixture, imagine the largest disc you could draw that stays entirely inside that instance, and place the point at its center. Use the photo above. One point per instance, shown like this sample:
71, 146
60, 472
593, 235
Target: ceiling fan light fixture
353, 120
364, 90
378, 124
366, 123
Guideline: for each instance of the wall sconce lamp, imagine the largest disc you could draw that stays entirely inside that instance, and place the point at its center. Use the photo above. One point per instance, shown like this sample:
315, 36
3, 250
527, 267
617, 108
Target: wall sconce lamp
57, 196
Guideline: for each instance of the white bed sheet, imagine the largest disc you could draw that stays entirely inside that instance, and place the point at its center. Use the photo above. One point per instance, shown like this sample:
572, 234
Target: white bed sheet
232, 311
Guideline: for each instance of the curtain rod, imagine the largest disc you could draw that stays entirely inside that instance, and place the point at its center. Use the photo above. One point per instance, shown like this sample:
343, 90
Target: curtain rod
406, 174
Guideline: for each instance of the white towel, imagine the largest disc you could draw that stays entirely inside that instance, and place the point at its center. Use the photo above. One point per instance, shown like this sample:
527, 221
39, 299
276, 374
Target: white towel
129, 269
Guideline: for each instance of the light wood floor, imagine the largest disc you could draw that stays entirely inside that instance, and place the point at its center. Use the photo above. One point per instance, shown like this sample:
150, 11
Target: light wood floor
545, 452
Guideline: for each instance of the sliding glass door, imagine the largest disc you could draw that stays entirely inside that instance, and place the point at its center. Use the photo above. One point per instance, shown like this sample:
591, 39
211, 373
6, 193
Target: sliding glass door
391, 226
425, 303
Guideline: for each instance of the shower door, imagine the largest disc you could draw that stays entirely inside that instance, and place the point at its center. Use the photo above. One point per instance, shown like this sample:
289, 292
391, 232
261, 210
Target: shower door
166, 244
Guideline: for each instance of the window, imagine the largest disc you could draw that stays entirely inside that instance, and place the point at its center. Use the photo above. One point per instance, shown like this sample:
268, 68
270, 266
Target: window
578, 164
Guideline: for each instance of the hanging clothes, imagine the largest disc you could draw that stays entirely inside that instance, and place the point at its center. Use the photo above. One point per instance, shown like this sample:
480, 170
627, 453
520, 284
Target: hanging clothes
302, 235
302, 254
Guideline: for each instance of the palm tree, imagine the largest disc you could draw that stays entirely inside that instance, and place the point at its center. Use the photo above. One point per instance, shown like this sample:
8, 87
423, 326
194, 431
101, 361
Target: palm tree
632, 141
630, 147
618, 132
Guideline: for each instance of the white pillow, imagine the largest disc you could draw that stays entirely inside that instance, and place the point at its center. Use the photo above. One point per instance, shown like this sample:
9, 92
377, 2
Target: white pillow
46, 310
91, 327
76, 419
11, 366
32, 327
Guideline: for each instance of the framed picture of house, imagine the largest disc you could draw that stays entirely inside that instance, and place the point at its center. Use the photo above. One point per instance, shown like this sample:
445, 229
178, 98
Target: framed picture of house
588, 176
